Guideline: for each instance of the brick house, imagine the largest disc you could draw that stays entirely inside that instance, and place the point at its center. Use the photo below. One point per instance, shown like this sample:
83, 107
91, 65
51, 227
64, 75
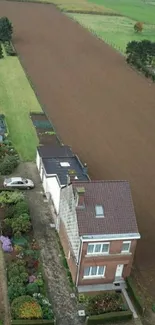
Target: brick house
99, 233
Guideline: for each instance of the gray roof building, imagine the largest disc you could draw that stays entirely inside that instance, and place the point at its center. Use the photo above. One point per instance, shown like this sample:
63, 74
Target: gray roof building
106, 208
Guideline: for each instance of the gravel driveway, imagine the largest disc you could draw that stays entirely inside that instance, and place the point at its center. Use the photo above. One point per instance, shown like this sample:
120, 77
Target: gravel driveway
65, 307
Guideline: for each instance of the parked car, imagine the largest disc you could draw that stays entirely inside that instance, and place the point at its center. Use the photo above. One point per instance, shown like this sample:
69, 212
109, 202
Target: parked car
19, 183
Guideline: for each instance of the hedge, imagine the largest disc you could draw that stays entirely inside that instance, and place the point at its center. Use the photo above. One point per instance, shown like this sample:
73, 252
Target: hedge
33, 322
109, 317
138, 301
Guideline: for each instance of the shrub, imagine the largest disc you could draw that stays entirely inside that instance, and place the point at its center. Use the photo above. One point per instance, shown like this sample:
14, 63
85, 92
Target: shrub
14, 291
9, 49
26, 307
32, 288
20, 225
138, 27
10, 211
8, 165
45, 305
1, 52
17, 271
21, 208
6, 29
6, 230
10, 197
106, 302
32, 253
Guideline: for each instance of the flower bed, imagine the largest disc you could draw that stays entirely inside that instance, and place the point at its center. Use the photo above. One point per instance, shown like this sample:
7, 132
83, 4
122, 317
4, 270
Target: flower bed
106, 302
26, 287
9, 158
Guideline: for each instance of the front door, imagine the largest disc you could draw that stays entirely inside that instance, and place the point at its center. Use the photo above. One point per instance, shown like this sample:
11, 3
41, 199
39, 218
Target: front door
119, 270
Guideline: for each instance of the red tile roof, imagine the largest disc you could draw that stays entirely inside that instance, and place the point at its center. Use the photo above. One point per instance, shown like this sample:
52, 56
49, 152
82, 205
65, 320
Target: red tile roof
116, 199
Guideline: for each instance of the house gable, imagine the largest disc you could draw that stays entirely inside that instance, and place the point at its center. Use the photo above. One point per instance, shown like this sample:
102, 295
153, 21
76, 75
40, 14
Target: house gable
67, 214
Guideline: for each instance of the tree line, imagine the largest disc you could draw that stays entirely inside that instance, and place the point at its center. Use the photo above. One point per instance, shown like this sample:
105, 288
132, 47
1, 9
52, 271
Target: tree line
142, 56
6, 29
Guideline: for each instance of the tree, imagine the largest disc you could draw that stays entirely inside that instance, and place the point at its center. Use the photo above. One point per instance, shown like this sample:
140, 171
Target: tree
6, 29
138, 27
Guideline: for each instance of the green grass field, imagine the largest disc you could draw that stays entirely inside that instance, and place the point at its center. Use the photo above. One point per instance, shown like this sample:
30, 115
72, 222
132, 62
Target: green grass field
116, 31
136, 9
17, 99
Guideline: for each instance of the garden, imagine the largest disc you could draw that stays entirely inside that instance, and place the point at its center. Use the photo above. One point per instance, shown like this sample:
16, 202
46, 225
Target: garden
9, 158
44, 129
26, 285
108, 305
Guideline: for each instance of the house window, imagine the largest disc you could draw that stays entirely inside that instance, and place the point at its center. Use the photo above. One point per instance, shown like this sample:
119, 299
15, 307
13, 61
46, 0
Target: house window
126, 247
98, 249
99, 211
94, 271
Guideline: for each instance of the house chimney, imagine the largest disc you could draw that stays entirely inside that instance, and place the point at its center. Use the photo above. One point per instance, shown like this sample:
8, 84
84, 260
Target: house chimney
80, 197
72, 175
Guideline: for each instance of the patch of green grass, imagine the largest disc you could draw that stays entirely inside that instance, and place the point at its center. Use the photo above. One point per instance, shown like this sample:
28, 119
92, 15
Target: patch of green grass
142, 10
116, 31
17, 99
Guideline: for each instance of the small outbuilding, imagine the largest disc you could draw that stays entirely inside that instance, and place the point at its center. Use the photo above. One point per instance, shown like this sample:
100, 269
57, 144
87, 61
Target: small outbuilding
56, 165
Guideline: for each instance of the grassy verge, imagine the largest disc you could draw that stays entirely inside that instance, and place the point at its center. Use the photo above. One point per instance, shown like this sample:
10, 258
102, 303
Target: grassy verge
135, 296
135, 9
17, 100
116, 31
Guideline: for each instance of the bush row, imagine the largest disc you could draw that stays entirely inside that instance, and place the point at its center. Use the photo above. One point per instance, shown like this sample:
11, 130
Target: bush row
109, 317
9, 158
9, 49
1, 52
139, 303
90, 12
142, 68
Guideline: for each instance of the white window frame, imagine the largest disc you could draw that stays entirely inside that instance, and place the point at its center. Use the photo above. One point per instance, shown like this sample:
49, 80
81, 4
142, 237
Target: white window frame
97, 275
126, 242
98, 253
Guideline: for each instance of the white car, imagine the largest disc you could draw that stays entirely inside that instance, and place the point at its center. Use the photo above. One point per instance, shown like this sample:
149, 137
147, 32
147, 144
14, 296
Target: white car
19, 183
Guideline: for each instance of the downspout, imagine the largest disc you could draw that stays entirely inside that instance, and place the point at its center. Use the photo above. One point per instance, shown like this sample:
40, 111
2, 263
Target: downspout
79, 262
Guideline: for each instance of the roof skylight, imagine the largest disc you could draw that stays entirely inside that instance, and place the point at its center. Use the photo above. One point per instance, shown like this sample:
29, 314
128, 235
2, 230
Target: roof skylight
65, 164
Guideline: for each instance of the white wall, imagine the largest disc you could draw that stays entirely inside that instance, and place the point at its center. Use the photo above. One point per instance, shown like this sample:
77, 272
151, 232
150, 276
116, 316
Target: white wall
38, 160
53, 187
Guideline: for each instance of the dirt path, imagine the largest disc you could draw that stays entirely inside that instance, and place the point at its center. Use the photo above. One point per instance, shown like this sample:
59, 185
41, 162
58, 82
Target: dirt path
65, 307
99, 106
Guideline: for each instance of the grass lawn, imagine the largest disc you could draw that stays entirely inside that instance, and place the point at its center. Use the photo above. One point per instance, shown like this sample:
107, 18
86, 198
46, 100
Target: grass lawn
17, 99
116, 31
141, 10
